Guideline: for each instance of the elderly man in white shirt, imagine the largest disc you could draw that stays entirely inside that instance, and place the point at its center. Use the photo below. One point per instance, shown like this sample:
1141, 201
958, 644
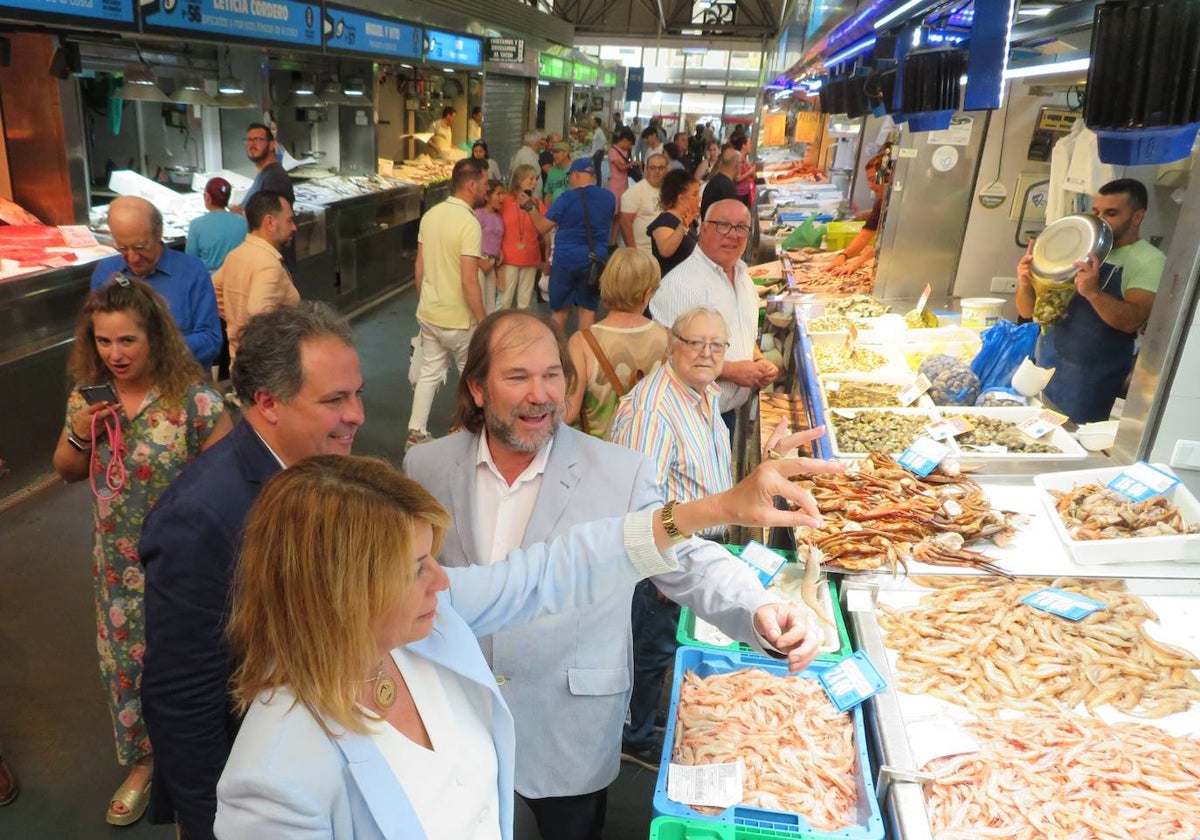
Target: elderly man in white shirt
716, 275
640, 204
528, 154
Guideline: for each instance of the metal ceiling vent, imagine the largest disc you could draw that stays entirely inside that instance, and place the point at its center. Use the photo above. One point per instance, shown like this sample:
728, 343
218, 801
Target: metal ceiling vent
708, 13
1144, 80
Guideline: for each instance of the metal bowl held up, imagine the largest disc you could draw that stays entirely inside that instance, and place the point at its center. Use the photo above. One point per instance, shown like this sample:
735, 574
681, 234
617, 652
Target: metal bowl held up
1068, 241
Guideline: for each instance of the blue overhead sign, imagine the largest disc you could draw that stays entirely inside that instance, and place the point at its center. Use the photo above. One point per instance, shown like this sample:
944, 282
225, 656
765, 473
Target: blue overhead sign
453, 49
350, 31
282, 21
117, 13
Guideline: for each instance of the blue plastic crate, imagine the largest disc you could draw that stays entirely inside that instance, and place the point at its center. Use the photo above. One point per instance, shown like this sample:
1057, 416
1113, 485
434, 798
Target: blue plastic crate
756, 822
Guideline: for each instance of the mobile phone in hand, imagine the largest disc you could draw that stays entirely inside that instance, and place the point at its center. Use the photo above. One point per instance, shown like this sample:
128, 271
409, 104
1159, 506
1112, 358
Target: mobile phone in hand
99, 393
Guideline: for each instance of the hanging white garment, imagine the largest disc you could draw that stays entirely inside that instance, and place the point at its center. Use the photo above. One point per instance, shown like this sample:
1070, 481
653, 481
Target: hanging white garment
1087, 174
1057, 200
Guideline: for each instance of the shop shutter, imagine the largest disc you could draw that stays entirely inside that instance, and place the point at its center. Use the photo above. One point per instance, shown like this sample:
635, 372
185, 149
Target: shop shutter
505, 105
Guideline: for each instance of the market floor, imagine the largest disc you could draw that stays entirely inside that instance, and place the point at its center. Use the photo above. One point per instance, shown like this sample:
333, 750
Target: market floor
54, 724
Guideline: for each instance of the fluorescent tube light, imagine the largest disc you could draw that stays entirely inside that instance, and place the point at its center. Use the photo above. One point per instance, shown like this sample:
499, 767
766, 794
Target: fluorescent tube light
1048, 69
895, 13
862, 46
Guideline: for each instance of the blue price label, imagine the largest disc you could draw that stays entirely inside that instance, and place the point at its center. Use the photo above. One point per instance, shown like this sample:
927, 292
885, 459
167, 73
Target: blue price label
1141, 481
765, 562
1068, 605
922, 456
851, 681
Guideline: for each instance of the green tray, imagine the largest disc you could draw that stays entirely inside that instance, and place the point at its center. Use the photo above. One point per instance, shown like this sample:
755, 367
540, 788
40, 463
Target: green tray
674, 828
685, 634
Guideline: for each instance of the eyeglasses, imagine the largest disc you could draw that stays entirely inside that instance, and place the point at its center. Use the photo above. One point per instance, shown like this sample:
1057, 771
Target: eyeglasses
729, 228
696, 345
249, 141
135, 249
655, 168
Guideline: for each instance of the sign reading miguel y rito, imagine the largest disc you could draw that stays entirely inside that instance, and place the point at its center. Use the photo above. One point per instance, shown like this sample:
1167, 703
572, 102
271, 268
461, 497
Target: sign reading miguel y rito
351, 31
287, 21
453, 49
115, 12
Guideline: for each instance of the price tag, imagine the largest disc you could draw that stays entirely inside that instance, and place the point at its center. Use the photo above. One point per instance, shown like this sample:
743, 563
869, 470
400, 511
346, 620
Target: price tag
765, 562
924, 298
715, 785
912, 392
832, 385
851, 681
77, 236
1062, 603
923, 455
948, 427
1041, 423
1141, 481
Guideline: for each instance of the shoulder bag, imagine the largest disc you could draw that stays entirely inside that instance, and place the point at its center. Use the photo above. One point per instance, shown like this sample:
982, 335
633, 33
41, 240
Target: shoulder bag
596, 263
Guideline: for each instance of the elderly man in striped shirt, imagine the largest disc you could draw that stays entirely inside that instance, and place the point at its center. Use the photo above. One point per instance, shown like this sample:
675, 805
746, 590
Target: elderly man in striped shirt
674, 418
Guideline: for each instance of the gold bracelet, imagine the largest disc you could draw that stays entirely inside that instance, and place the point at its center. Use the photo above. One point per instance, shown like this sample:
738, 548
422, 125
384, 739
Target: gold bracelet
667, 517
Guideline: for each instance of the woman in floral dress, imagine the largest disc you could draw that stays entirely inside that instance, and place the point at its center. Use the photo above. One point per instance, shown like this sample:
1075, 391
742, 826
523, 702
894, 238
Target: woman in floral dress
166, 413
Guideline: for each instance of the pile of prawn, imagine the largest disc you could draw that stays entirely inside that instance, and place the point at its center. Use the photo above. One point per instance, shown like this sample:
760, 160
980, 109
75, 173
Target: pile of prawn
879, 514
798, 750
1066, 778
972, 643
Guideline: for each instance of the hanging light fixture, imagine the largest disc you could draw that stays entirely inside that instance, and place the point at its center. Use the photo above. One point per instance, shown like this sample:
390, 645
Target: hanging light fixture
331, 92
191, 92
140, 85
303, 94
355, 91
230, 85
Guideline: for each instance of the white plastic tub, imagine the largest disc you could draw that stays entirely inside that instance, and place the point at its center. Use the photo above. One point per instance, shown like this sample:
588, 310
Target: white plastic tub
1185, 548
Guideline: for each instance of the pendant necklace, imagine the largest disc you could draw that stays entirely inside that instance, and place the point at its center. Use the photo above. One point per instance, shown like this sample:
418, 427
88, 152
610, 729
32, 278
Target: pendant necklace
385, 689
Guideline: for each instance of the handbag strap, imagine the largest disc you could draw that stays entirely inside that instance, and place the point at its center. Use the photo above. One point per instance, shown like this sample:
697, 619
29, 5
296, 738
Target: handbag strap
587, 222
609, 371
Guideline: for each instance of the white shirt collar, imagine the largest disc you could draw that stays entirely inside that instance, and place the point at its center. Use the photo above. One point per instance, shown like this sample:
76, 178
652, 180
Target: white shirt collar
274, 454
483, 457
738, 268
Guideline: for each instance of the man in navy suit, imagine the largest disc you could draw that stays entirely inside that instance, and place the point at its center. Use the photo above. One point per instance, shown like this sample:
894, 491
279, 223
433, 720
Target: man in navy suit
298, 379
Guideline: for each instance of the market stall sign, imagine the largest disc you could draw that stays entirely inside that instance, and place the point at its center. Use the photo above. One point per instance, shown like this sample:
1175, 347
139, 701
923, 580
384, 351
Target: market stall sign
634, 82
116, 13
506, 50
586, 74
451, 48
346, 30
553, 67
609, 78
281, 21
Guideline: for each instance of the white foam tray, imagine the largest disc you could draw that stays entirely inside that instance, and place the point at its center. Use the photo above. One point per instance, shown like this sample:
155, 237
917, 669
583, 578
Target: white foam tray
1060, 437
831, 430
1185, 548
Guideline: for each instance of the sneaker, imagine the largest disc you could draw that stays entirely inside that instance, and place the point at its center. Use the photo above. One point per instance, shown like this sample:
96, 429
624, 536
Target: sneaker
647, 757
416, 436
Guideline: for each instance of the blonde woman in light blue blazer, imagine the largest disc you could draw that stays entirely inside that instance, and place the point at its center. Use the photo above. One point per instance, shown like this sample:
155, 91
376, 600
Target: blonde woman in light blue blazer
339, 604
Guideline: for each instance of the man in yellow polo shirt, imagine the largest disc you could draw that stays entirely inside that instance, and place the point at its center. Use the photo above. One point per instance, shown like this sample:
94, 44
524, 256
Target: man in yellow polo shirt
447, 279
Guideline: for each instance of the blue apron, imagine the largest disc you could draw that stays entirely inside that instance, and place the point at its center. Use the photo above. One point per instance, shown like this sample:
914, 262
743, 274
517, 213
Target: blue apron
1092, 359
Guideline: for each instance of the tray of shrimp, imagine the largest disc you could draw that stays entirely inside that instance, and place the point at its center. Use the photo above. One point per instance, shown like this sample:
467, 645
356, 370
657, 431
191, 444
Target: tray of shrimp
728, 706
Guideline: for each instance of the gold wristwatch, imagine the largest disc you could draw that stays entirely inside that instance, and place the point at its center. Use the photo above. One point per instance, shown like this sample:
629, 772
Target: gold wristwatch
667, 517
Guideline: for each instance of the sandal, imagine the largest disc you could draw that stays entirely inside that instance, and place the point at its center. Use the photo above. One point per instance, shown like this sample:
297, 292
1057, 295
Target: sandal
134, 800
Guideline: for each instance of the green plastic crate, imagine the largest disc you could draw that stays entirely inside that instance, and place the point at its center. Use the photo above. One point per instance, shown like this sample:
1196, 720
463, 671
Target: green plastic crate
674, 828
685, 634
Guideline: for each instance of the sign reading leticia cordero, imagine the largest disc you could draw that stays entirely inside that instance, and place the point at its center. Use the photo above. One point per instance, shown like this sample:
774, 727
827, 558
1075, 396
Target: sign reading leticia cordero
258, 21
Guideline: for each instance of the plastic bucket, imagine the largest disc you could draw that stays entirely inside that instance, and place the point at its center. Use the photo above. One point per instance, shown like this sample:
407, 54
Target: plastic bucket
838, 235
980, 313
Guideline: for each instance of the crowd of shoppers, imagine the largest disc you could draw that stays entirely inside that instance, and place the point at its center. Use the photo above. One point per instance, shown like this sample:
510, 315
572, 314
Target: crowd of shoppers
177, 484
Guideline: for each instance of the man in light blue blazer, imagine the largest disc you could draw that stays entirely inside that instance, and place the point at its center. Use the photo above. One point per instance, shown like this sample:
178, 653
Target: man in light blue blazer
517, 476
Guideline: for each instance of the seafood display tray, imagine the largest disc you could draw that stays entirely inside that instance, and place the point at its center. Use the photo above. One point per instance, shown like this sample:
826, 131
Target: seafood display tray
900, 380
1069, 448
1177, 604
895, 363
831, 431
1183, 548
835, 644
756, 822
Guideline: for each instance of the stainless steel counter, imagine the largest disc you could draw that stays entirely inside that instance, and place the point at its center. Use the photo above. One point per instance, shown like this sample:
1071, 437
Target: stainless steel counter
371, 239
